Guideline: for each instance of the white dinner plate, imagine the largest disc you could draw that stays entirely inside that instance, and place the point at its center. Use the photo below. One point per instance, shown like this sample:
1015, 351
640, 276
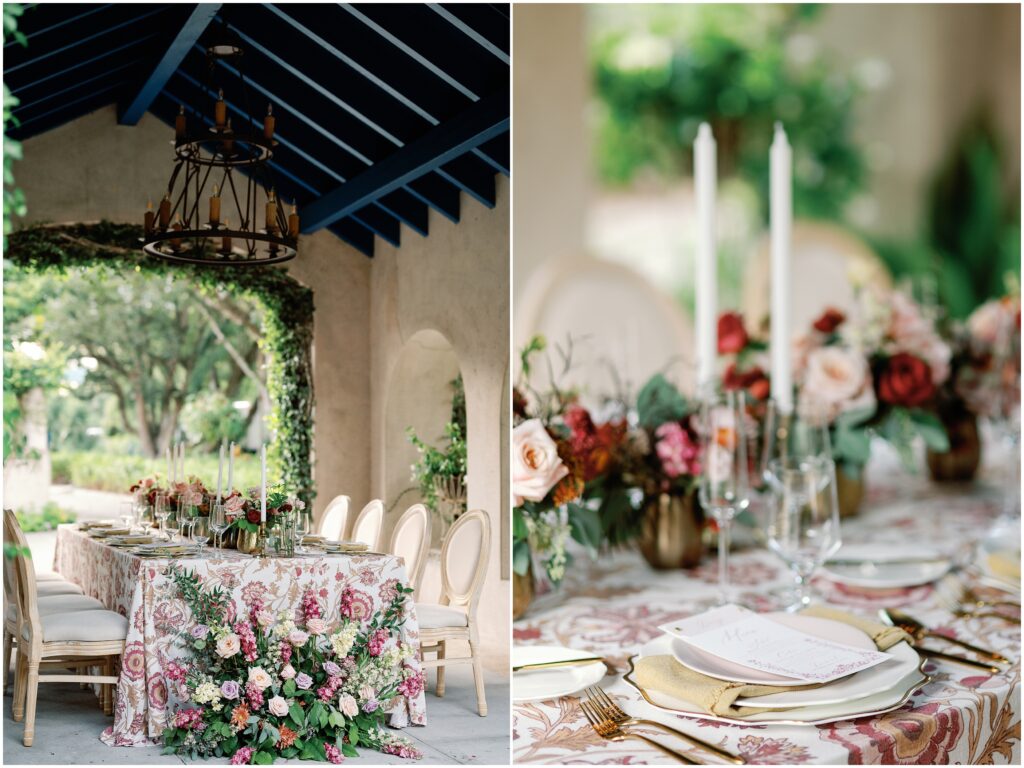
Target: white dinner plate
998, 557
544, 684
893, 697
886, 566
708, 664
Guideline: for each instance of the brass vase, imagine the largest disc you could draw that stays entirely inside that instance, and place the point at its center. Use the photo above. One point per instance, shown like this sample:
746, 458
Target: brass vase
247, 541
670, 532
960, 463
522, 592
849, 490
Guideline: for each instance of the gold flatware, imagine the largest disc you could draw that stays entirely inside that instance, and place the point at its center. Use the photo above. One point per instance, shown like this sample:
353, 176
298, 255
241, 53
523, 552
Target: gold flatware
964, 595
897, 561
606, 729
959, 660
597, 696
919, 631
562, 663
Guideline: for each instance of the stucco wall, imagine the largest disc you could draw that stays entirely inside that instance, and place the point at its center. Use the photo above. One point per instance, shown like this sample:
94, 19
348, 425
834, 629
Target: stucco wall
454, 282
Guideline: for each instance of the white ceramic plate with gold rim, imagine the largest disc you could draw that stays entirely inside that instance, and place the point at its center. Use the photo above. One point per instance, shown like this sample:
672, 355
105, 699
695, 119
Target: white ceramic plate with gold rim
898, 692
545, 684
886, 566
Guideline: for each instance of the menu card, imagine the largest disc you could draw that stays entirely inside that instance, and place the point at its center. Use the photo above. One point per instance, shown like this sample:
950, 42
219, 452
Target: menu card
741, 636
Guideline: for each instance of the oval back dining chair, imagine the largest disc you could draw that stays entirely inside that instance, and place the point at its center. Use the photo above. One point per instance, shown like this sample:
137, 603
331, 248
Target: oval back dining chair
465, 555
334, 523
410, 540
368, 524
60, 641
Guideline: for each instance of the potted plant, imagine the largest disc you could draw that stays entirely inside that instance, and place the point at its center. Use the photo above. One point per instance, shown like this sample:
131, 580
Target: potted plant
440, 472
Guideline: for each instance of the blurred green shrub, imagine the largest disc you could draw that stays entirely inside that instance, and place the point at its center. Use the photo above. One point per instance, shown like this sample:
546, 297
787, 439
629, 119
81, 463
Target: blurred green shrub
47, 519
116, 473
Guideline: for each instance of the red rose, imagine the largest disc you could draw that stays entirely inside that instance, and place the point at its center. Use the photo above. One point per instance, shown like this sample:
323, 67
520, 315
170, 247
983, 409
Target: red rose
753, 380
732, 336
253, 516
906, 380
831, 319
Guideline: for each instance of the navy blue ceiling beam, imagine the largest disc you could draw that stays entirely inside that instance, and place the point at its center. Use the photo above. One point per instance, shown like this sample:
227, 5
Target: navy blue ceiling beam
481, 122
183, 41
438, 194
410, 210
451, 17
473, 177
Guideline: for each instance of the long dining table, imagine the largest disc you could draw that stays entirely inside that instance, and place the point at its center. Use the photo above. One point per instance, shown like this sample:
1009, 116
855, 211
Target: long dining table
614, 605
140, 590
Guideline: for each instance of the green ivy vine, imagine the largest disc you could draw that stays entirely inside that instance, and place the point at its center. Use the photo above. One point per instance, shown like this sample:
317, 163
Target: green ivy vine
287, 326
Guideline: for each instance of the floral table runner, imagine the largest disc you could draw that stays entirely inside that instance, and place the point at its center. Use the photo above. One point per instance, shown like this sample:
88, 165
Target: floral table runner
613, 607
139, 590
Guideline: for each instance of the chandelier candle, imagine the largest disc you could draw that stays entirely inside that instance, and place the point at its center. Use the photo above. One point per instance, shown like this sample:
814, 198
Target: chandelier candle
179, 123
149, 218
225, 241
781, 211
705, 181
215, 206
176, 241
293, 222
220, 110
268, 123
271, 213
165, 211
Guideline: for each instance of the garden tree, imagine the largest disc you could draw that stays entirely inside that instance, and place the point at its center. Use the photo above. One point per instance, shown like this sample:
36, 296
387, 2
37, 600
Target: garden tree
156, 342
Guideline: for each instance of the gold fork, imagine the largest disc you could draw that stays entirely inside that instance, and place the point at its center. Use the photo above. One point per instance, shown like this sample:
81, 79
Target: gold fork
964, 595
606, 729
597, 696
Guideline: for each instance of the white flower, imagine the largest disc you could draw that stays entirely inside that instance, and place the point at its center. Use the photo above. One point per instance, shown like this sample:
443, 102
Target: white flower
278, 706
259, 676
837, 379
287, 672
228, 646
344, 638
265, 618
348, 705
536, 465
316, 626
206, 692
297, 638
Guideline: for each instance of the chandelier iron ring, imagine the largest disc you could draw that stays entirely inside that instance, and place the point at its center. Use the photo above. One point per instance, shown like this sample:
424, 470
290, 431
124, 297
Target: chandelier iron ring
161, 244
246, 149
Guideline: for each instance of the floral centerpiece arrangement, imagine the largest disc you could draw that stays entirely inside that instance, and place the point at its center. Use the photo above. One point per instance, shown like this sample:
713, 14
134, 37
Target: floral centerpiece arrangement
878, 376
747, 356
191, 492
294, 685
987, 370
550, 467
243, 510
147, 489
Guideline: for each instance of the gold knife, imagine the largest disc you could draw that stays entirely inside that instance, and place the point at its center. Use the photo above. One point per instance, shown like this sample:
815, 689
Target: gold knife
959, 659
564, 663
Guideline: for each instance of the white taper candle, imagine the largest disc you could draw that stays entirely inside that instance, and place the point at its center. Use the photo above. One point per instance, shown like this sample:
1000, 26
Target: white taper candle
263, 483
231, 467
169, 475
781, 210
705, 181
220, 469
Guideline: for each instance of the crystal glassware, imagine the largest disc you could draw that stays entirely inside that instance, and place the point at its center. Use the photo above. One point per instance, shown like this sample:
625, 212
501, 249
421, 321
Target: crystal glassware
725, 481
218, 523
162, 510
803, 517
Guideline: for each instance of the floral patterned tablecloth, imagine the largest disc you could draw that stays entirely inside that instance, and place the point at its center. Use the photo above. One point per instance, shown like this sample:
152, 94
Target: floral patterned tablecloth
139, 590
615, 606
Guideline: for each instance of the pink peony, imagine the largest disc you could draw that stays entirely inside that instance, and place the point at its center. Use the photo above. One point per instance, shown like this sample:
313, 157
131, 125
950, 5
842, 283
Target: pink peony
242, 756
536, 465
678, 453
837, 379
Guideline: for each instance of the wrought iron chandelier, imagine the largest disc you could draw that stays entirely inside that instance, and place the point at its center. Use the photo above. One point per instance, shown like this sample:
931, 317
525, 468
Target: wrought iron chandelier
190, 224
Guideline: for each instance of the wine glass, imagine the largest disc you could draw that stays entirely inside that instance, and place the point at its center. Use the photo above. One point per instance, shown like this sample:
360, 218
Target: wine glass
188, 512
128, 514
803, 517
725, 481
162, 510
218, 523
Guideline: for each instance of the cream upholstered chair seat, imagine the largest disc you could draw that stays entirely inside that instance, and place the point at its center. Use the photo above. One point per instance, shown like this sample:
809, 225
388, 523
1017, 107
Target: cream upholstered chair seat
80, 627
40, 577
410, 540
464, 557
436, 616
368, 524
52, 588
59, 604
334, 523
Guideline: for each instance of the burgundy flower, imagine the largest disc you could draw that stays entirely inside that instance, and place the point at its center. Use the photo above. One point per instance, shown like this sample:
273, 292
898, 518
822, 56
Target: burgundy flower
732, 336
830, 319
906, 380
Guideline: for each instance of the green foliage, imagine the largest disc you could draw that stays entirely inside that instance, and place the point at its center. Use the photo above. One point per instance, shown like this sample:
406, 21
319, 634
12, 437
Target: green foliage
660, 71
209, 417
116, 472
658, 402
46, 519
438, 463
14, 198
287, 308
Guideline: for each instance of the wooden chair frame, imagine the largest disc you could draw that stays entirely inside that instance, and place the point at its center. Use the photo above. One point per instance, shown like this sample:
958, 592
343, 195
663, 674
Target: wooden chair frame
435, 640
35, 654
415, 570
374, 507
338, 502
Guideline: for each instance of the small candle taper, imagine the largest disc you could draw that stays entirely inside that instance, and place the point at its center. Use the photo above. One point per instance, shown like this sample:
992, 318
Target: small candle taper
215, 206
293, 221
149, 217
165, 211
179, 123
268, 123
220, 110
271, 213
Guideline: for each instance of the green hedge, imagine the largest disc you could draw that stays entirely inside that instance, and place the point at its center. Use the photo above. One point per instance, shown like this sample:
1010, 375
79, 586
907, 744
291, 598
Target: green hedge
116, 473
47, 519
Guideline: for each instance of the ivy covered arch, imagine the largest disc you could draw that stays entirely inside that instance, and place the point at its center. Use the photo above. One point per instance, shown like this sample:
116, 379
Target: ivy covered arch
287, 320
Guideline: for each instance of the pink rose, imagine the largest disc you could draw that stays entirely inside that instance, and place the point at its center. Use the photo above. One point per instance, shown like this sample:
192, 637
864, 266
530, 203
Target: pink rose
348, 706
228, 646
287, 672
837, 379
316, 626
536, 465
676, 450
259, 677
297, 638
264, 618
278, 706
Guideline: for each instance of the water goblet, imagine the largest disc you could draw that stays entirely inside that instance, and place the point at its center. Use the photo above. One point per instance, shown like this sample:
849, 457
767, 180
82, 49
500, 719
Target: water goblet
162, 510
127, 515
218, 523
725, 482
803, 518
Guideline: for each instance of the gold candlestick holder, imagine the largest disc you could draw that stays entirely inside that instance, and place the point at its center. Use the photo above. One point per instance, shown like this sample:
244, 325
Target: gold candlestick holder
261, 541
